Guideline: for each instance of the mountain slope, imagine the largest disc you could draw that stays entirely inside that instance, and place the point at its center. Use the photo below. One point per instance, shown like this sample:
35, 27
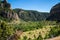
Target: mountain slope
6, 13
31, 15
55, 13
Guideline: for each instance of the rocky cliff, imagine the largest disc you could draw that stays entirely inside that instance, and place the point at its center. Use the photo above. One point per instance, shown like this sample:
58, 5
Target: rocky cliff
55, 13
6, 12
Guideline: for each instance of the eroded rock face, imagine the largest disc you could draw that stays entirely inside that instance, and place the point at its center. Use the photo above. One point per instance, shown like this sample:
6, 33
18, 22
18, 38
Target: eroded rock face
4, 4
6, 11
55, 13
55, 9
10, 15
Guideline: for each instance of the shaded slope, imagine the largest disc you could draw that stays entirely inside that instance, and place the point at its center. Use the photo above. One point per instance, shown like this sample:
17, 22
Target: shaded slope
6, 13
55, 13
31, 15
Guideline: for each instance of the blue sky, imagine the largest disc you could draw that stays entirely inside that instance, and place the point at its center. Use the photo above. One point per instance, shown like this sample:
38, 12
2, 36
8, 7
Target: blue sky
39, 5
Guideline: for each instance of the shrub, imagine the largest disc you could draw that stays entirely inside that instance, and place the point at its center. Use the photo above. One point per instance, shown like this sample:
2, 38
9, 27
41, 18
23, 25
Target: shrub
39, 37
25, 38
5, 30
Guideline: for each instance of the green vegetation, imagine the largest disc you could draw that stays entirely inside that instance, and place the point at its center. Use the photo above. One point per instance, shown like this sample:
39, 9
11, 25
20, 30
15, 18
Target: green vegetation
31, 22
24, 38
27, 26
55, 31
44, 25
5, 30
31, 15
39, 37
51, 29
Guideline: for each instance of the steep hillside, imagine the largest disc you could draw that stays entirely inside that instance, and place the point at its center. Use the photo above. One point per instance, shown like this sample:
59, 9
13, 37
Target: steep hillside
55, 13
31, 15
28, 24
6, 13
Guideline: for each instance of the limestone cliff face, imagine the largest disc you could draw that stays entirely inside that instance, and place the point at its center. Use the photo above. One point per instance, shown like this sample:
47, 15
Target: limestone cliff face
6, 12
55, 13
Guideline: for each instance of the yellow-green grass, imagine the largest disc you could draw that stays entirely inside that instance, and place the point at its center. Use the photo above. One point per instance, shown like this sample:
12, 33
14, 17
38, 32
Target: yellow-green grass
35, 33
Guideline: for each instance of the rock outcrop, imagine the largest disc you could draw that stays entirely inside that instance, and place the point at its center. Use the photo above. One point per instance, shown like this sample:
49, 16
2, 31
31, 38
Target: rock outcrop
10, 15
55, 13
26, 15
6, 12
4, 4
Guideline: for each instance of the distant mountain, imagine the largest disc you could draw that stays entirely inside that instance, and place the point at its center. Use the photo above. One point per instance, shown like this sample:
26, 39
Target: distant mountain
55, 13
7, 14
31, 15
